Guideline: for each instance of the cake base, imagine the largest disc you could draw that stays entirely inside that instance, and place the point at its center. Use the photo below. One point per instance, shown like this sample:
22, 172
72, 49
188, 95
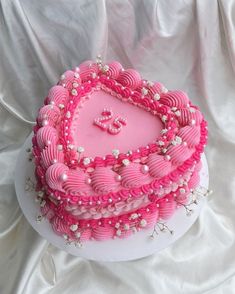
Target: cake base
136, 246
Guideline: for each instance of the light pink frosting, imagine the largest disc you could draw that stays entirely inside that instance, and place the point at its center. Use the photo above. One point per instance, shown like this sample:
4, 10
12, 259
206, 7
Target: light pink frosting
191, 135
77, 183
59, 226
130, 78
194, 181
177, 99
58, 95
186, 117
49, 114
54, 176
46, 136
178, 154
114, 69
167, 206
158, 166
70, 78
132, 176
104, 180
151, 218
156, 88
103, 233
51, 155
87, 68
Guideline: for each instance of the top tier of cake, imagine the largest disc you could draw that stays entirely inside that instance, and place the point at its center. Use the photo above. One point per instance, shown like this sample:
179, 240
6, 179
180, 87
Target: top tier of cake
93, 143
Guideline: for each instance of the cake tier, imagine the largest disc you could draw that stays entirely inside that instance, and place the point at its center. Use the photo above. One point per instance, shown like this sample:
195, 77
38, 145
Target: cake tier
113, 152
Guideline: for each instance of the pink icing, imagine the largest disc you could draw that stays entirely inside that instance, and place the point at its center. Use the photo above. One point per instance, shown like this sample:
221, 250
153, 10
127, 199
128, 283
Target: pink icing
114, 69
69, 78
158, 166
177, 99
77, 183
58, 95
54, 176
187, 117
178, 154
51, 155
87, 68
104, 180
133, 176
48, 115
194, 181
191, 135
129, 78
167, 206
103, 233
46, 136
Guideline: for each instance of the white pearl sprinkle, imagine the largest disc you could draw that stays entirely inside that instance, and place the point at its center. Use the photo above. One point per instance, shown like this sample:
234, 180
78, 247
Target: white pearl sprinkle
117, 225
45, 122
167, 157
78, 234
80, 149
126, 227
144, 169
177, 113
73, 228
156, 97
63, 177
86, 161
62, 77
144, 91
75, 85
118, 232
143, 223
68, 114
61, 106
126, 162
74, 92
76, 75
93, 75
115, 152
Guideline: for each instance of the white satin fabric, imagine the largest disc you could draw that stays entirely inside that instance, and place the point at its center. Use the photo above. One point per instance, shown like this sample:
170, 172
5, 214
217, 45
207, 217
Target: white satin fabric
187, 45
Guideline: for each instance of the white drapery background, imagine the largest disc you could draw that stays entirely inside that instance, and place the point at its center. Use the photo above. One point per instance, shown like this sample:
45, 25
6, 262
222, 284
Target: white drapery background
188, 45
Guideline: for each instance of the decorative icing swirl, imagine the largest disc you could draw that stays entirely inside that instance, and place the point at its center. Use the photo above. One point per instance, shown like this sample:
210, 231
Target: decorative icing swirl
87, 68
178, 154
156, 88
114, 69
194, 181
69, 78
46, 136
48, 115
59, 226
133, 176
158, 166
56, 174
177, 99
188, 118
104, 180
129, 78
103, 233
51, 155
77, 183
58, 95
167, 206
191, 135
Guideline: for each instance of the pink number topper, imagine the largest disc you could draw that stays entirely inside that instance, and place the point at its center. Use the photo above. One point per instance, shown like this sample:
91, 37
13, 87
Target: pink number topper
115, 127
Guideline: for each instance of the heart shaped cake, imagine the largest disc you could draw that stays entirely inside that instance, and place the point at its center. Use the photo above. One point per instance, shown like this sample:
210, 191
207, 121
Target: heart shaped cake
114, 153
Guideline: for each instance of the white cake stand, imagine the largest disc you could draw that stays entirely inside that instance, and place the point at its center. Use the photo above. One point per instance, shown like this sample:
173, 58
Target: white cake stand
136, 246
